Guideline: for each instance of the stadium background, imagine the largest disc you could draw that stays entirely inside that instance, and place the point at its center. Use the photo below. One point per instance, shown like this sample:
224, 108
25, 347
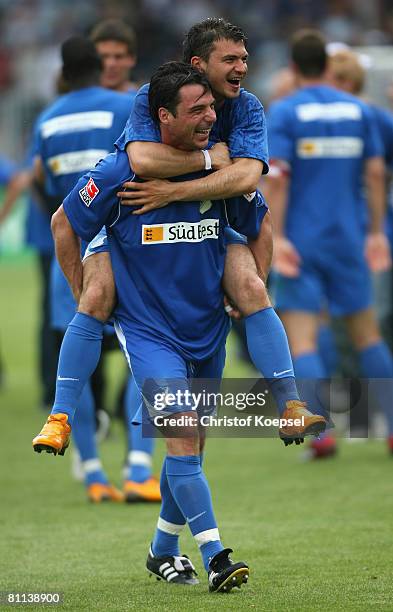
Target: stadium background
318, 535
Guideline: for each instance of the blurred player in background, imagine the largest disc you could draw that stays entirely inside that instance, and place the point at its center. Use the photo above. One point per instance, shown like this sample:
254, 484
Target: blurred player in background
171, 329
39, 237
72, 135
115, 43
347, 71
322, 143
216, 48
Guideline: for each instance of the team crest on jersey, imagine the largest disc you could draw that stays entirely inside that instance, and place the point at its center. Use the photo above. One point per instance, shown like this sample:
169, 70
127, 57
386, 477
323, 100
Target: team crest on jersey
169, 233
89, 192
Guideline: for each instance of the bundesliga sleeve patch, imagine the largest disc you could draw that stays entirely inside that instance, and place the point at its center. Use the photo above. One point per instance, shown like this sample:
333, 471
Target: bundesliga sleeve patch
89, 192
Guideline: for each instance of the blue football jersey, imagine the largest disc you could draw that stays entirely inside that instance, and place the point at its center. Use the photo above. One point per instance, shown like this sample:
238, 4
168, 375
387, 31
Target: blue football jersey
77, 130
325, 136
240, 123
167, 264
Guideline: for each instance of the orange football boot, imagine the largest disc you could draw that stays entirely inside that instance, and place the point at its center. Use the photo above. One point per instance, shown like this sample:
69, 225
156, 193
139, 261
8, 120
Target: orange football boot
310, 424
54, 437
98, 492
148, 491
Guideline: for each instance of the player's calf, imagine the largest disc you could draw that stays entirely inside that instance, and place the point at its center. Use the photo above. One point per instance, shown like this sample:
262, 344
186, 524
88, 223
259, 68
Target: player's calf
98, 296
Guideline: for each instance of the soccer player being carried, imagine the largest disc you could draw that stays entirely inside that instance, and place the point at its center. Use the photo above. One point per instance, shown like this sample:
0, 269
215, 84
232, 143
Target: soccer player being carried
217, 49
169, 317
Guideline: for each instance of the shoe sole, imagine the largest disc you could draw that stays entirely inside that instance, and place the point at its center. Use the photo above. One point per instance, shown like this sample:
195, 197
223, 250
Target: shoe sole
236, 579
158, 577
312, 430
49, 449
134, 498
103, 499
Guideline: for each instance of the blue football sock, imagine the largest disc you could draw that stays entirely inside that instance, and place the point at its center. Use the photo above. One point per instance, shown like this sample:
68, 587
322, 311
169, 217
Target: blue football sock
269, 350
309, 369
78, 358
376, 363
327, 349
170, 523
140, 449
191, 491
83, 432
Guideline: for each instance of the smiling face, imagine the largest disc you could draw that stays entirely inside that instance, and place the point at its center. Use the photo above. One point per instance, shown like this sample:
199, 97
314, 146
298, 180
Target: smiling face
117, 63
225, 68
190, 127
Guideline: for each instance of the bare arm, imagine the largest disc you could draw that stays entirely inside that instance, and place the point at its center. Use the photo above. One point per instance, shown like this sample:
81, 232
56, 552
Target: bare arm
67, 247
376, 194
239, 178
377, 250
153, 159
17, 185
38, 170
286, 259
157, 160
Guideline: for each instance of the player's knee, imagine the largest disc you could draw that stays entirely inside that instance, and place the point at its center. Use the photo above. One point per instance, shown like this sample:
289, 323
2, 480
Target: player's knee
251, 292
98, 299
186, 445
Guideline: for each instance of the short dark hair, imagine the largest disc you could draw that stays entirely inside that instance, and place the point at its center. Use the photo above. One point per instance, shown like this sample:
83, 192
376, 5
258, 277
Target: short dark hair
114, 29
166, 83
308, 51
81, 63
201, 37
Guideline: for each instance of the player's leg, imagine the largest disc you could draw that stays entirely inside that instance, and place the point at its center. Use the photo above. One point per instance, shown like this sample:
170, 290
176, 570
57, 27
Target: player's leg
164, 553
139, 485
266, 337
262, 247
98, 487
81, 347
351, 296
223, 573
375, 360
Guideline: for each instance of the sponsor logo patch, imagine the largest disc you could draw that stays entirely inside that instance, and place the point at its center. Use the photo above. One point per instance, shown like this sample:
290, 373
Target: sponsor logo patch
170, 233
89, 192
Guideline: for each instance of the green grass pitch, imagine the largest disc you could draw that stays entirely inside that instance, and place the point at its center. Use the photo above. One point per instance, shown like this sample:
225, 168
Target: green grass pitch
317, 536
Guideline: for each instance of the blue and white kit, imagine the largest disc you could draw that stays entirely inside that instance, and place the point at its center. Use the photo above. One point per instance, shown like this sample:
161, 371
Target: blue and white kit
327, 135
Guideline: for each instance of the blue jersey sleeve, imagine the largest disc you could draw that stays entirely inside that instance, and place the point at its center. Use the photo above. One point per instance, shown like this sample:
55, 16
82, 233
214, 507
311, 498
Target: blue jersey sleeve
281, 139
140, 125
245, 213
93, 201
247, 136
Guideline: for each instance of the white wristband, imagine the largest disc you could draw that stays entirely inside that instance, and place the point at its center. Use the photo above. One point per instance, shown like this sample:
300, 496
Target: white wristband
208, 159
